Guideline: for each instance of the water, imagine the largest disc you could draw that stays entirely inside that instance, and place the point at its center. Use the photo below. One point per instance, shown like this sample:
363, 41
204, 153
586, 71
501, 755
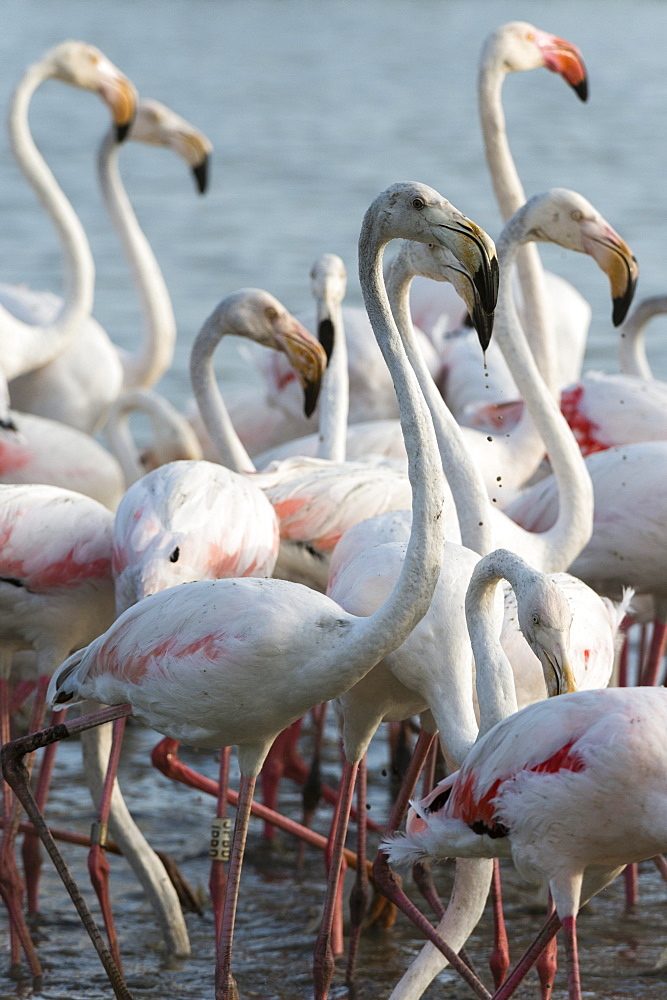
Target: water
313, 109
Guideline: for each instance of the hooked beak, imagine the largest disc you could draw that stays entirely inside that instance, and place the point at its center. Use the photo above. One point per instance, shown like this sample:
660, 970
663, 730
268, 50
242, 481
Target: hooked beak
557, 669
306, 355
615, 258
475, 251
564, 58
119, 93
200, 173
481, 320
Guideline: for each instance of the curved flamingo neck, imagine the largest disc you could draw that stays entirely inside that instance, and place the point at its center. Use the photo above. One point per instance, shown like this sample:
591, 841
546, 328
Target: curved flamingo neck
496, 692
37, 345
555, 549
411, 595
631, 347
464, 478
147, 365
334, 394
510, 196
214, 413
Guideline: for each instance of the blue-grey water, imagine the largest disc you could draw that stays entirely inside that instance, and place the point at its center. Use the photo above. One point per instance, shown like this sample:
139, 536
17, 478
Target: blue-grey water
313, 108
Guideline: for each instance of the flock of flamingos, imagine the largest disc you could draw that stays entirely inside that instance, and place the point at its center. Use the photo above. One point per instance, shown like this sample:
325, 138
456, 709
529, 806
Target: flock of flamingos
220, 598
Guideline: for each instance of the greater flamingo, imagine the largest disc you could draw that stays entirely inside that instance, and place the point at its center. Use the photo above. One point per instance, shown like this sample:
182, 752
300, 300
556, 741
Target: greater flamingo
541, 787
242, 694
28, 340
78, 386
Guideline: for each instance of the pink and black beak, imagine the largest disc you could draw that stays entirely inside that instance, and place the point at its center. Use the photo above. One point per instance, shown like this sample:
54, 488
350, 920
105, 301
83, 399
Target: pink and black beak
564, 58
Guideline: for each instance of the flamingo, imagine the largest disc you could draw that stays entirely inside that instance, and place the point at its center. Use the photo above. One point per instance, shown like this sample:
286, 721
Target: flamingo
539, 787
244, 677
514, 47
56, 593
28, 341
631, 351
78, 386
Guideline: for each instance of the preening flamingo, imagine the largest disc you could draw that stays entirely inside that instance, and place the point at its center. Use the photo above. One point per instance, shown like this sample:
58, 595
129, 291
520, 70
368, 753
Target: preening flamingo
78, 386
223, 691
28, 341
541, 787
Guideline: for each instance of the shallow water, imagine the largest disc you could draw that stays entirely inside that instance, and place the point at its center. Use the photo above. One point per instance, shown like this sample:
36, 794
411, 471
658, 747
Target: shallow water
313, 109
279, 908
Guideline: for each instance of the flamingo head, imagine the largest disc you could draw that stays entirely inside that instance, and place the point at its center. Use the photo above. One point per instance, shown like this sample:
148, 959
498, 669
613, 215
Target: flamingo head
521, 46
82, 65
545, 618
158, 125
568, 219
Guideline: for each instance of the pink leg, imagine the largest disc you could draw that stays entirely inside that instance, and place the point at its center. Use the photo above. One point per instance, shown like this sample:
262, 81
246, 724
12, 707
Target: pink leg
17, 776
359, 894
388, 883
274, 769
652, 669
572, 955
630, 876
31, 852
421, 870
661, 865
528, 959
499, 962
323, 963
220, 843
225, 986
11, 884
98, 864
547, 963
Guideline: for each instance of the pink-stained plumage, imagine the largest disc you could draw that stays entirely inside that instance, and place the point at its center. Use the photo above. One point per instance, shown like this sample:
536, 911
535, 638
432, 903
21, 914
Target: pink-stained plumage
572, 789
190, 520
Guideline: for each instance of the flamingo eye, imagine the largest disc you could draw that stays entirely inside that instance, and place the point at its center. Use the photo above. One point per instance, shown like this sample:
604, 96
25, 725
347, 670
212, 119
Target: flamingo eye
577, 215
174, 555
270, 312
418, 204
530, 36
536, 619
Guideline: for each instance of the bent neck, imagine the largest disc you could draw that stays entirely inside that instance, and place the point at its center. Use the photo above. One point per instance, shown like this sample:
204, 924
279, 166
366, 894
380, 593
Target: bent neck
464, 478
214, 413
410, 598
574, 525
496, 691
47, 342
146, 366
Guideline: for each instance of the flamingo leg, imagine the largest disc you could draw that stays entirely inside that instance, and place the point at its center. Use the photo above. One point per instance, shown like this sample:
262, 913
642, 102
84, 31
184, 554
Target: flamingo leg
30, 851
225, 985
653, 666
572, 955
422, 874
275, 768
359, 894
323, 962
220, 842
499, 961
17, 776
11, 884
529, 957
388, 883
547, 963
313, 789
98, 864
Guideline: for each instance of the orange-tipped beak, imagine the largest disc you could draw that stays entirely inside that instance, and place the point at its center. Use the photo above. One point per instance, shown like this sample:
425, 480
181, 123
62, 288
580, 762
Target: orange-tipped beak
564, 58
306, 355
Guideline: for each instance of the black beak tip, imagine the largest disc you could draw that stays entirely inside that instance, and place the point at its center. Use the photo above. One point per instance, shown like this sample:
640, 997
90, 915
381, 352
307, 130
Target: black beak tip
8, 425
483, 323
200, 172
581, 89
622, 303
310, 395
325, 335
122, 131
